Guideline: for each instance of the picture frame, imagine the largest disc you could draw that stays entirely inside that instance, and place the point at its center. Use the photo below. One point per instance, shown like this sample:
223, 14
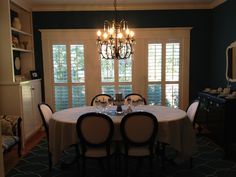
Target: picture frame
34, 74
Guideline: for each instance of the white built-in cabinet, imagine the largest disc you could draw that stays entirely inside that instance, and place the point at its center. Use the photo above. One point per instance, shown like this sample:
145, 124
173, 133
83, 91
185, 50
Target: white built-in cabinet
22, 99
30, 97
19, 94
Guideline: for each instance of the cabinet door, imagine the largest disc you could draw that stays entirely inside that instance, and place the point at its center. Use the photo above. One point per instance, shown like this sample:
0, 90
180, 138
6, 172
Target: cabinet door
27, 110
37, 98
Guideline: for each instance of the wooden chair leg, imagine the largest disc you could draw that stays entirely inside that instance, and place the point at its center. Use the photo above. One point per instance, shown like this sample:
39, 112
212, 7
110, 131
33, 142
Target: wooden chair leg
83, 167
191, 162
108, 167
151, 165
126, 166
50, 160
19, 150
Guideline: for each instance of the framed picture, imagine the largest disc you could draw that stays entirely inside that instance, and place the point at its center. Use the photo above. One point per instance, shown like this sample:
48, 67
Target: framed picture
34, 75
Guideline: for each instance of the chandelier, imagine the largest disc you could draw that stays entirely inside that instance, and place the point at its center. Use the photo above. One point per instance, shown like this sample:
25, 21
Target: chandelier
116, 41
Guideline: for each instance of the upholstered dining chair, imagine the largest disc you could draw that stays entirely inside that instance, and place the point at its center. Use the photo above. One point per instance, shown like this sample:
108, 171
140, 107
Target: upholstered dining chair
191, 113
46, 114
192, 110
101, 97
135, 97
95, 132
139, 131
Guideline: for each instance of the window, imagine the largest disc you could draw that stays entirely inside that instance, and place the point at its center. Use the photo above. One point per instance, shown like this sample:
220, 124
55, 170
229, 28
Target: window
68, 75
163, 73
158, 70
116, 76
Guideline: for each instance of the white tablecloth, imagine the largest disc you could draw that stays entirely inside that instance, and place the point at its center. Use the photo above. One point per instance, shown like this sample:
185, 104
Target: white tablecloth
174, 128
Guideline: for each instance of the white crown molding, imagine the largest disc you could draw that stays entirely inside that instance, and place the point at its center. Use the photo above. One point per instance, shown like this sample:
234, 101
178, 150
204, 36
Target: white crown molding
143, 6
25, 4
216, 3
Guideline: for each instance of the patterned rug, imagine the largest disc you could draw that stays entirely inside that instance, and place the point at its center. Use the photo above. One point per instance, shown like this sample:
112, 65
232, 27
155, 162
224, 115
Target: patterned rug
207, 162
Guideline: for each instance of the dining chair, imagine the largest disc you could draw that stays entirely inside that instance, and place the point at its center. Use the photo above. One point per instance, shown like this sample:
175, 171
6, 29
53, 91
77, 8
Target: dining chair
135, 97
101, 97
95, 131
192, 110
139, 131
46, 114
191, 113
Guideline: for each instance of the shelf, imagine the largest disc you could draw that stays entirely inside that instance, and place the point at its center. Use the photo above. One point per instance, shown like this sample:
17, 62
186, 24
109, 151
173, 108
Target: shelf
22, 50
14, 30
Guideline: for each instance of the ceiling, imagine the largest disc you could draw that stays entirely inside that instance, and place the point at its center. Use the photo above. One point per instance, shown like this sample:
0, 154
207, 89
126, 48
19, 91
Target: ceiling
40, 5
118, 1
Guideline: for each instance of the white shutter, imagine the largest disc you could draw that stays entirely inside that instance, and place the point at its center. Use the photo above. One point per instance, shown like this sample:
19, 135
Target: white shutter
69, 90
154, 62
163, 74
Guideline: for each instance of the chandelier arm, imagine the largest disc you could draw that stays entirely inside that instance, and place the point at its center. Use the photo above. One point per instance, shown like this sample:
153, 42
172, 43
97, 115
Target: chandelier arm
120, 51
127, 50
129, 54
105, 57
117, 41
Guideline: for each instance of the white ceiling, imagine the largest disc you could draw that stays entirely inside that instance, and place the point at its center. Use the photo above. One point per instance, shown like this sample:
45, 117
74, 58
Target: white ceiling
67, 5
118, 1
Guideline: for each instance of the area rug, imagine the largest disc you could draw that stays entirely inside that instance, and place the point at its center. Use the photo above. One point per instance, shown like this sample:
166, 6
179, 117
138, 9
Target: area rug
207, 162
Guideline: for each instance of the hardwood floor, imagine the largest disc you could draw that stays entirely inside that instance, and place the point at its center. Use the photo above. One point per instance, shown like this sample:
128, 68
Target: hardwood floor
11, 158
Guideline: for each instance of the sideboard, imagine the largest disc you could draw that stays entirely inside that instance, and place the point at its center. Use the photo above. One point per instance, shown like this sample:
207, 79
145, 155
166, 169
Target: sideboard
218, 114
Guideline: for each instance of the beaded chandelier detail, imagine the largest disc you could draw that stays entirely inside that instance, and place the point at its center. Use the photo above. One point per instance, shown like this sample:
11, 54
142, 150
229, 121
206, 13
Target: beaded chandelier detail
116, 41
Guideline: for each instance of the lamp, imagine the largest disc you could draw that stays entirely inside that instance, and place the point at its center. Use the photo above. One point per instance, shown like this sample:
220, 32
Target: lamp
116, 41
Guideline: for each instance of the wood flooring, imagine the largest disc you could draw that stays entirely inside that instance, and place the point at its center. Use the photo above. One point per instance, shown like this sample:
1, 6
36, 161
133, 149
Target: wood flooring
11, 158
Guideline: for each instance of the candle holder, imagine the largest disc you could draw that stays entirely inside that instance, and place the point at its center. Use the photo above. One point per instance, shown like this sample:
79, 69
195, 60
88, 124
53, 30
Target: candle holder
119, 106
119, 101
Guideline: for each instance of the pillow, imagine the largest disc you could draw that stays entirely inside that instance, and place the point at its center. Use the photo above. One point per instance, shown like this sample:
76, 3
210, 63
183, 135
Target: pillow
8, 124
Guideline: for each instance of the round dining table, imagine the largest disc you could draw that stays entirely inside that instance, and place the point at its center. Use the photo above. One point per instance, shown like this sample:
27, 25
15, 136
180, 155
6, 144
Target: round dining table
175, 128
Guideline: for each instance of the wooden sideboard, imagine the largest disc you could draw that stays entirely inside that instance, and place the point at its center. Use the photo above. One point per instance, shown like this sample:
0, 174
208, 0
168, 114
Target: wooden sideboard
218, 114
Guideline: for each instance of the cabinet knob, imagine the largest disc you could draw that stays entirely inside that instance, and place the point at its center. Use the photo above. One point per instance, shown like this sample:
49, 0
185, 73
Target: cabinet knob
32, 88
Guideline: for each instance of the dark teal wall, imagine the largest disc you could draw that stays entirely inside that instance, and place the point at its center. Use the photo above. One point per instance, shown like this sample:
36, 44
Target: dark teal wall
223, 33
199, 20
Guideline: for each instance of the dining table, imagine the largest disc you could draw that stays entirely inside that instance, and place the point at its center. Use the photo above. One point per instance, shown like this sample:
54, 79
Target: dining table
174, 129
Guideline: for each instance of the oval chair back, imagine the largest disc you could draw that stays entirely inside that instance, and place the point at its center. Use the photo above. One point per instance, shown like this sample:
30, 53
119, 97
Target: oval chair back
139, 129
135, 97
94, 130
46, 114
192, 110
100, 97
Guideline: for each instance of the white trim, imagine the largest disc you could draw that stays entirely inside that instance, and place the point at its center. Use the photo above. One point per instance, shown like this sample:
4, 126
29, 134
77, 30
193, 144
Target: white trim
216, 3
92, 65
140, 6
231, 46
24, 4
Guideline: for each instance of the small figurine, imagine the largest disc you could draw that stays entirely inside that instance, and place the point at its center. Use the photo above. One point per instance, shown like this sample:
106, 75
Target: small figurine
15, 41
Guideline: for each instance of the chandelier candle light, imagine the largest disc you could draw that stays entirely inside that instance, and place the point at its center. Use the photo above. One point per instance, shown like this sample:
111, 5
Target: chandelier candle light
116, 41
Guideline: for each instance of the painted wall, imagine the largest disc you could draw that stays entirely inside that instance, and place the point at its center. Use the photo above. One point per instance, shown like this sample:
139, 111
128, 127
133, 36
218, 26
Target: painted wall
223, 33
199, 20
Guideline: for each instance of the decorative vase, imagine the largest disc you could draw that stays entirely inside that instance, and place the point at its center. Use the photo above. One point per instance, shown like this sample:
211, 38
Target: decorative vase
16, 23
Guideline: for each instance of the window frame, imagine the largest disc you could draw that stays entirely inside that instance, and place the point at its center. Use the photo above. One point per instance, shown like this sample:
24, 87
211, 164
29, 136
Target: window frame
164, 82
116, 82
139, 64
